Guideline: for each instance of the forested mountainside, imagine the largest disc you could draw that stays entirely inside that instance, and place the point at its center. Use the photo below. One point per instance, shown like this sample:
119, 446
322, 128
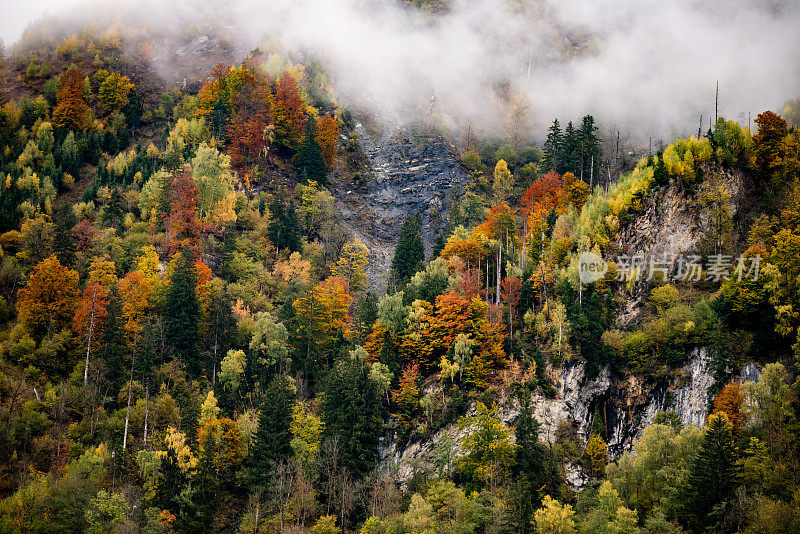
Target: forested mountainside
228, 303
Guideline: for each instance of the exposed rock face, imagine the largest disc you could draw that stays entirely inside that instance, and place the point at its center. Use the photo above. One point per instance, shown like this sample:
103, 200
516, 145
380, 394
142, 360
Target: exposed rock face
691, 398
670, 224
628, 404
409, 173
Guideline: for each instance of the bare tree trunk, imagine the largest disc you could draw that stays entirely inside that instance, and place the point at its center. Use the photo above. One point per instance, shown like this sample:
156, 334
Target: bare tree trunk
128, 411
146, 412
499, 267
89, 340
216, 346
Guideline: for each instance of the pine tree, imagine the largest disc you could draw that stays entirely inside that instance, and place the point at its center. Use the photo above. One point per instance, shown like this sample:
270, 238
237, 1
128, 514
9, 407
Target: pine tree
181, 312
273, 437
714, 475
552, 147
410, 251
310, 163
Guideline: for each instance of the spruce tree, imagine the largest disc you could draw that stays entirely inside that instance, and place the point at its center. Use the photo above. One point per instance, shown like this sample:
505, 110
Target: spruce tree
569, 155
170, 484
714, 476
528, 469
284, 230
660, 174
218, 327
182, 311
552, 147
590, 154
113, 348
114, 210
409, 254
310, 162
63, 243
273, 437
351, 412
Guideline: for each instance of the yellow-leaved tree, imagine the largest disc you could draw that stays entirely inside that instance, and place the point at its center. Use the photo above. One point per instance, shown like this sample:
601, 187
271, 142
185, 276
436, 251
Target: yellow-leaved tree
352, 265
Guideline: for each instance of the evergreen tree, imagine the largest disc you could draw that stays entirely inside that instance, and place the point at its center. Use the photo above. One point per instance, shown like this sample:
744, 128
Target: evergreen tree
63, 243
114, 211
351, 412
410, 251
70, 156
569, 155
552, 147
590, 154
172, 481
218, 325
181, 312
714, 475
284, 230
530, 455
273, 437
660, 174
229, 246
310, 162
113, 348
528, 470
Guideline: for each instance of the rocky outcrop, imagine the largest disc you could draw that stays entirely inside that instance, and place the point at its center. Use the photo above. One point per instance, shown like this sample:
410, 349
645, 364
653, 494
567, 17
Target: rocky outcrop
669, 224
628, 405
408, 172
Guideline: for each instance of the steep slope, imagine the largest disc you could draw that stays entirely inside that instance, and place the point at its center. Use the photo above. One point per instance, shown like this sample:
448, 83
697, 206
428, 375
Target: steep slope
670, 223
408, 172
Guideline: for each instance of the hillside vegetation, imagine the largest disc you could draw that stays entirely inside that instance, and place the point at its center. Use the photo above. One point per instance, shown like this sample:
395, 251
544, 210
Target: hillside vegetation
189, 342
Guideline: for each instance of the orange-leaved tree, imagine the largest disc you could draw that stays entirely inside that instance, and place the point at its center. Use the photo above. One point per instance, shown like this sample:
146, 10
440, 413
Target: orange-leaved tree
288, 112
71, 110
327, 138
730, 400
47, 303
406, 396
544, 195
184, 229
322, 315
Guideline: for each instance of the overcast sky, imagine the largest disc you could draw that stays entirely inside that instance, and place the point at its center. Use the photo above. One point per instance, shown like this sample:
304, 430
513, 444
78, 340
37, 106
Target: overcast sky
647, 65
16, 14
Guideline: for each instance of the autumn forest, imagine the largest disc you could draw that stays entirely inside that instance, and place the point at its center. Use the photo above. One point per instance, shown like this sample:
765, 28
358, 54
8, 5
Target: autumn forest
205, 328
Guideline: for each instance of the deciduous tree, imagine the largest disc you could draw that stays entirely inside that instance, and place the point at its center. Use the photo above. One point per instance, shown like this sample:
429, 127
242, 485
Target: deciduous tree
47, 303
71, 109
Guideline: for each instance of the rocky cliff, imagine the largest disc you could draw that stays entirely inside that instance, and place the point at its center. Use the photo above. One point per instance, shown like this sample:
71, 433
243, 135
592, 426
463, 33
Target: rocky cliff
629, 404
407, 172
